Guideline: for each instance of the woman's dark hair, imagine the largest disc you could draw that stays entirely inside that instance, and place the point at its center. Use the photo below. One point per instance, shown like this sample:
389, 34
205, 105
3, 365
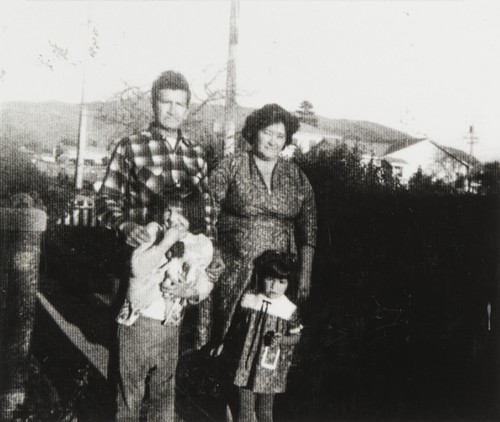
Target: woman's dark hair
266, 116
170, 80
274, 264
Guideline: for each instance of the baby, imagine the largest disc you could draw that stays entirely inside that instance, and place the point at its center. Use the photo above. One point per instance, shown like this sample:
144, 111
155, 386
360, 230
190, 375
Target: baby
168, 271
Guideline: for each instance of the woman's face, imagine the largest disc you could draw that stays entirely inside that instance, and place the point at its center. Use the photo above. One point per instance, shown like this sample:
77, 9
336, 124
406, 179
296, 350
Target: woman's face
270, 141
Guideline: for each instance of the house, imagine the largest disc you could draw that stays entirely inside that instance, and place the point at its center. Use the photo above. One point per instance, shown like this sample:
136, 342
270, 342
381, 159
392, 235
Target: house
308, 136
91, 156
441, 162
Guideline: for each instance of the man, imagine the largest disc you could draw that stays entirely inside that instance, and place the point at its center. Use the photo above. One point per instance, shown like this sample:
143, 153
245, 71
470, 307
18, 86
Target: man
148, 172
156, 162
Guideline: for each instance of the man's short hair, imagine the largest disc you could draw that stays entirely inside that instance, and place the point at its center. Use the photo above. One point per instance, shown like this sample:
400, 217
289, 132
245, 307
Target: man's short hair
170, 80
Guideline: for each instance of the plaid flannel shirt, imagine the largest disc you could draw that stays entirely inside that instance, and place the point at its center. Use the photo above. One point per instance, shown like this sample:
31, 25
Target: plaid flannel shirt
144, 169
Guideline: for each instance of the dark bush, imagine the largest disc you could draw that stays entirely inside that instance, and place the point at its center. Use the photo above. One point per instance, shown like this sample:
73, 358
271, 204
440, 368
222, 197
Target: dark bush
19, 175
402, 281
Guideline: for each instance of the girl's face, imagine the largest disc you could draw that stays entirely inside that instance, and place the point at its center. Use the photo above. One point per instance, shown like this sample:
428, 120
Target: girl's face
275, 287
270, 141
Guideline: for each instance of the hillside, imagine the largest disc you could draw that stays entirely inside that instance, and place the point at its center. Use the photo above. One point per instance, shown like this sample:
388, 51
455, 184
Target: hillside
361, 130
41, 126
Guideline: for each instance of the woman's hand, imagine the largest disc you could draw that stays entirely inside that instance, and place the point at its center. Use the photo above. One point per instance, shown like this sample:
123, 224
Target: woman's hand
216, 351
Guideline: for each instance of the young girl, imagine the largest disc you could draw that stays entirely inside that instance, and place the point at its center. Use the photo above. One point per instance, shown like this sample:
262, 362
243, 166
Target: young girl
260, 342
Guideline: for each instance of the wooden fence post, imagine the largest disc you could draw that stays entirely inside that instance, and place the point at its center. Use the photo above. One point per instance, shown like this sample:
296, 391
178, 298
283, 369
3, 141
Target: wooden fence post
21, 231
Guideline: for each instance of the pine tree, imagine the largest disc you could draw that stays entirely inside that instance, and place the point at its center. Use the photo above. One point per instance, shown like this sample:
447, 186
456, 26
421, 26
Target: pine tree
306, 113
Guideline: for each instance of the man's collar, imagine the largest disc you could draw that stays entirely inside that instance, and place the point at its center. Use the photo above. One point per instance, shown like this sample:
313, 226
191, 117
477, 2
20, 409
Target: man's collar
160, 133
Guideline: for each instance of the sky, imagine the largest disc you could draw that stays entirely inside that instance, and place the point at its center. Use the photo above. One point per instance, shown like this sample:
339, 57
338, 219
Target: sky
430, 68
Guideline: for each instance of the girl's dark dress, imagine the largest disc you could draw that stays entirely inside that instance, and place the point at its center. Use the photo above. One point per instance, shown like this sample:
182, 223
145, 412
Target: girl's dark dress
244, 345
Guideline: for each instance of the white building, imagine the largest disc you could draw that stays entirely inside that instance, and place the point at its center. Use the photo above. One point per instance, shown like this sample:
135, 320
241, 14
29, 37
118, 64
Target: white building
91, 156
440, 162
308, 136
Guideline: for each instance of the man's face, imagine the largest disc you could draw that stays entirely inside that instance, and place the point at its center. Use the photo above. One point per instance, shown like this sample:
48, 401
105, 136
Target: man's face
170, 108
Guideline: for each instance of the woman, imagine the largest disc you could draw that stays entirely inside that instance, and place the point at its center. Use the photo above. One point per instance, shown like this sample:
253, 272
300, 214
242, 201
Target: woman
264, 202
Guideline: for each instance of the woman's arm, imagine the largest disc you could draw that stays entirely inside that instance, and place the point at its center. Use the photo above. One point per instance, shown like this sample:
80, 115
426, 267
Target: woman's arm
307, 229
219, 180
306, 261
217, 186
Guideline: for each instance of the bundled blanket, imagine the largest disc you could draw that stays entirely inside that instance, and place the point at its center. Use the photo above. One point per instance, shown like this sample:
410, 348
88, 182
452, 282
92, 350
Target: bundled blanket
162, 278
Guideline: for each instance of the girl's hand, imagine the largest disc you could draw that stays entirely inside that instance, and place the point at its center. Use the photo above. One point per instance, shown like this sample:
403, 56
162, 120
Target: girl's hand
276, 339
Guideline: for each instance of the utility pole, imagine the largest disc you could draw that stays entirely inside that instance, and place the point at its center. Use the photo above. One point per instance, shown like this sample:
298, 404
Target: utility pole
82, 138
82, 125
472, 140
231, 106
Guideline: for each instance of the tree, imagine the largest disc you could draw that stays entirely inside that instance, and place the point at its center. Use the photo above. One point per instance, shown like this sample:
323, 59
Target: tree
447, 167
423, 184
130, 110
306, 113
488, 178
387, 176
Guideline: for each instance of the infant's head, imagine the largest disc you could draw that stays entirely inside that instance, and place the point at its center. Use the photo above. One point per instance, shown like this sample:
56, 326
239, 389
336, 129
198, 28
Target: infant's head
174, 216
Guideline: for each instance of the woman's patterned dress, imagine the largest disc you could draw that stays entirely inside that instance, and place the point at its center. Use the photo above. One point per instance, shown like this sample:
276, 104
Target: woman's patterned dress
253, 219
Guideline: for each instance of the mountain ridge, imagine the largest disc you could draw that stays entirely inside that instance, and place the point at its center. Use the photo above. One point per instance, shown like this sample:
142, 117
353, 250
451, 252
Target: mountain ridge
42, 125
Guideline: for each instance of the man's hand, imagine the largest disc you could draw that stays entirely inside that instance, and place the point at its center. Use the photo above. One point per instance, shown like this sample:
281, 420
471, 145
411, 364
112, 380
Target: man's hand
135, 234
178, 288
149, 258
216, 267
147, 265
193, 284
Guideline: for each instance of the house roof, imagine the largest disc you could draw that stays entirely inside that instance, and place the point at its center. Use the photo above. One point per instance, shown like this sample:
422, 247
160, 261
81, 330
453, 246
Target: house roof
398, 144
455, 153
458, 154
